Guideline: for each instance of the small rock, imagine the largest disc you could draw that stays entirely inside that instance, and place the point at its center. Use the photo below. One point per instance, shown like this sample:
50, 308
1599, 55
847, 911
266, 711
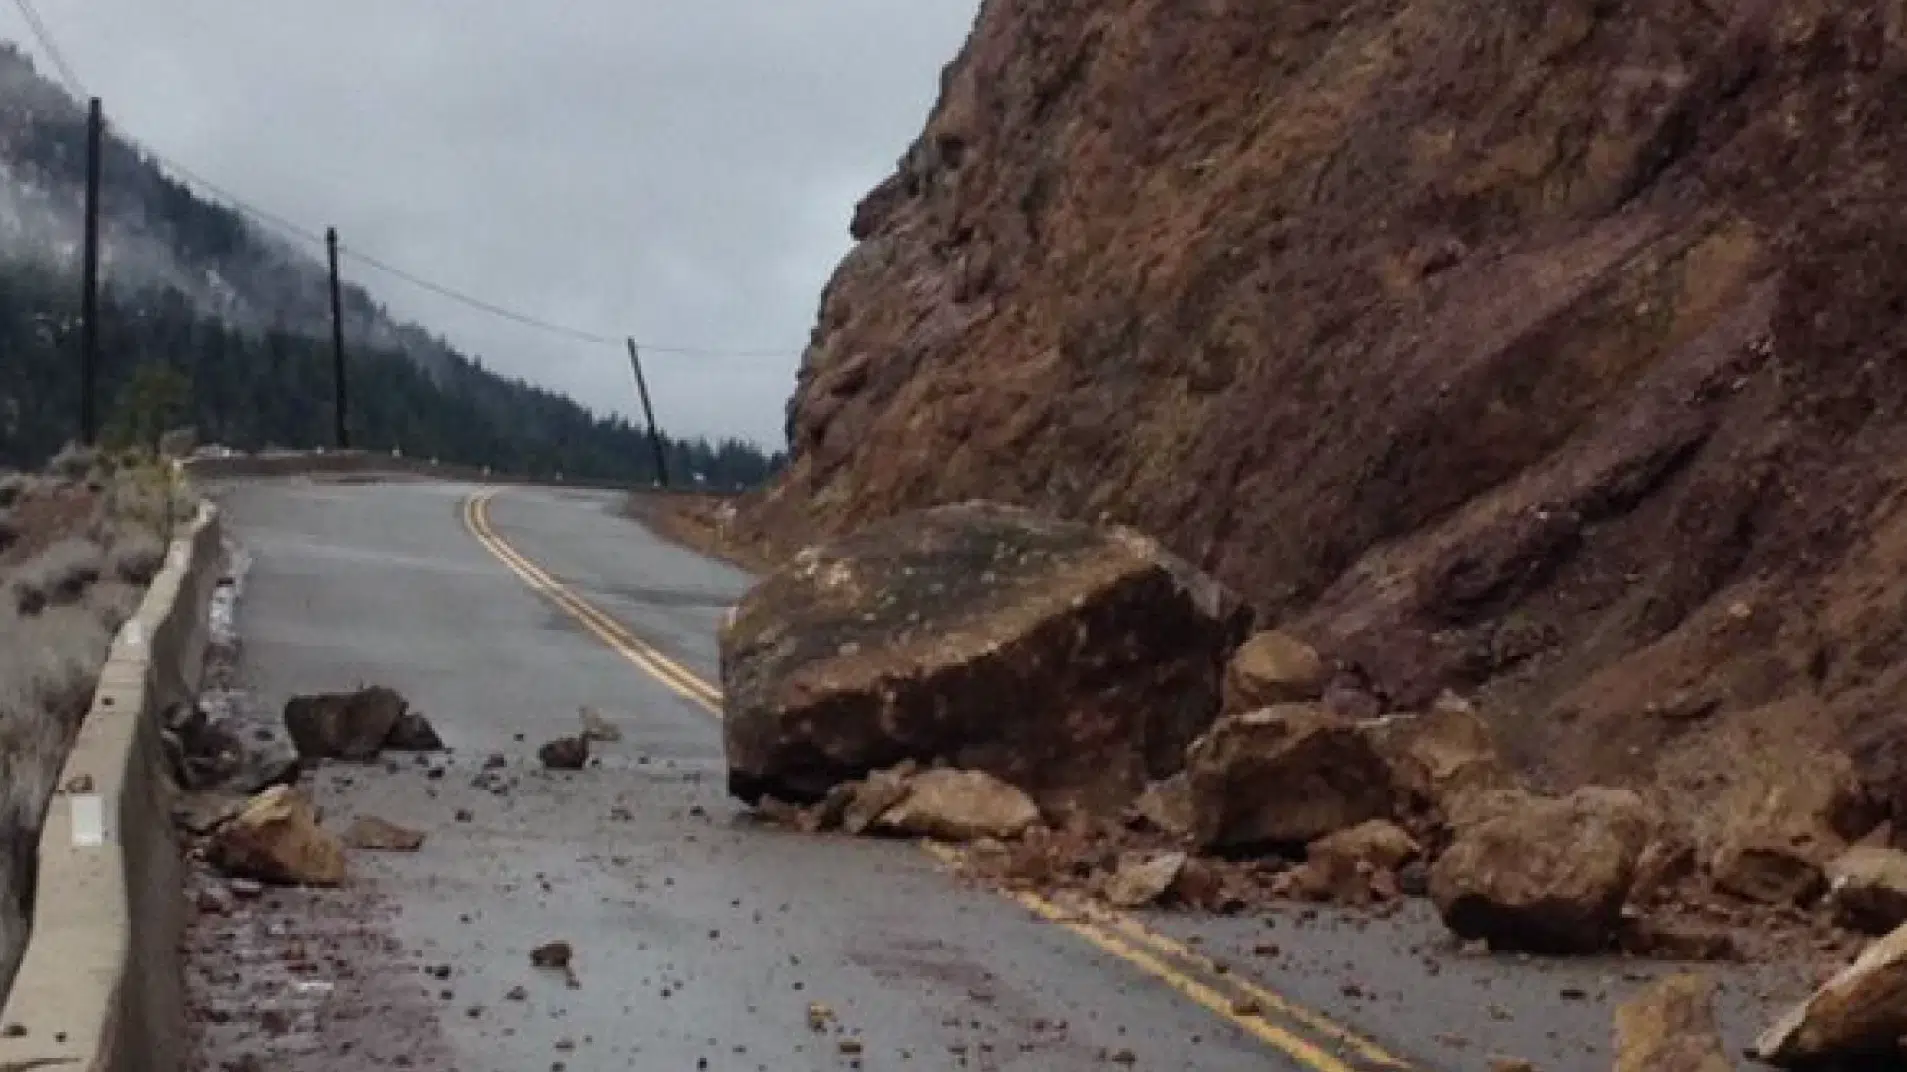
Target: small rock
413, 733
1142, 879
1867, 885
552, 955
381, 835
565, 753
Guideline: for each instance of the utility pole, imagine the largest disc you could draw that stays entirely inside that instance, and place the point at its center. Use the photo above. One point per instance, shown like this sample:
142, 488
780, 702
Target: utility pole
655, 437
89, 284
342, 437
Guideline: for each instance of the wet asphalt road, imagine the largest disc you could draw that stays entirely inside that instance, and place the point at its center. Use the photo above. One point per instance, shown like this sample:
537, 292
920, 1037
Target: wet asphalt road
701, 937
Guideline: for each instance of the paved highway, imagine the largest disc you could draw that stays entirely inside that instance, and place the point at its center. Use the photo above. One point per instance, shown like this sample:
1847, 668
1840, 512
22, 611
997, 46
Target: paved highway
704, 940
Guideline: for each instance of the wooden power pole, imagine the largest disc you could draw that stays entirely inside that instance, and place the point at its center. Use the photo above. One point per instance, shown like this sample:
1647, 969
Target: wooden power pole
649, 413
89, 283
342, 437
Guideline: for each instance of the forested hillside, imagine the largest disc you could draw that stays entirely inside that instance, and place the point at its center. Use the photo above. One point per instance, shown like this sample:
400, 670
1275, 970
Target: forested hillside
208, 321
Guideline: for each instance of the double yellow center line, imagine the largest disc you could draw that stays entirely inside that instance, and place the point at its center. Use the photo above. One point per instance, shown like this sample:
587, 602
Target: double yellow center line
1306, 1036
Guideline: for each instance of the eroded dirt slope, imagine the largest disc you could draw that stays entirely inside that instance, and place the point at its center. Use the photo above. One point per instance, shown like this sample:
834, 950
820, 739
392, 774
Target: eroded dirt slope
1549, 351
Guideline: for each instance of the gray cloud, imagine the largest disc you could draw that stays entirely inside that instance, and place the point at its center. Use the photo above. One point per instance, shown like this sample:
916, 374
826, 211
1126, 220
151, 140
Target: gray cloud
682, 170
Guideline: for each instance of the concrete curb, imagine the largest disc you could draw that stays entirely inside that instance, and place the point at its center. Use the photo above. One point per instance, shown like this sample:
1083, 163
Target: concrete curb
100, 986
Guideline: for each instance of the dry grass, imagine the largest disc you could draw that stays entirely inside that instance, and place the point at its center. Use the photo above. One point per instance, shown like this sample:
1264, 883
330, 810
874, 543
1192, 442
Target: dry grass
57, 576
135, 556
47, 671
91, 539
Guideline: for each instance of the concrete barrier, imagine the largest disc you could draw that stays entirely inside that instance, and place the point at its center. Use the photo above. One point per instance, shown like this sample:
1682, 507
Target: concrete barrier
100, 986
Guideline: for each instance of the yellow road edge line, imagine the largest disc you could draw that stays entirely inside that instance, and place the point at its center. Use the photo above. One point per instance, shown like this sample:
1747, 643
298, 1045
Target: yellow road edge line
1098, 930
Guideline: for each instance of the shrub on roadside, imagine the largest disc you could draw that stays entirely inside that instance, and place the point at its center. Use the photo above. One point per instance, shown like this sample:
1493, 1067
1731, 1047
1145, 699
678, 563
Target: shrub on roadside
13, 488
135, 556
114, 601
56, 576
73, 463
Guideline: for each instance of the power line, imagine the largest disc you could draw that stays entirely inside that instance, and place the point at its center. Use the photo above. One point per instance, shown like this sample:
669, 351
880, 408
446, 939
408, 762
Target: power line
283, 224
65, 69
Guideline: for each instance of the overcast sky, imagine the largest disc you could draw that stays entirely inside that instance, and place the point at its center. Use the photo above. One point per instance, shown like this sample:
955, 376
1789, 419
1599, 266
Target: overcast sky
683, 170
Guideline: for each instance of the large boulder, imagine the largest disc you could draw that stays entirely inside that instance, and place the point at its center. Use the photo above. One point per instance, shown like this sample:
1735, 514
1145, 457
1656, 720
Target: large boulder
1867, 886
344, 725
1274, 667
1670, 1027
1782, 820
1860, 1013
1071, 660
1284, 775
1543, 874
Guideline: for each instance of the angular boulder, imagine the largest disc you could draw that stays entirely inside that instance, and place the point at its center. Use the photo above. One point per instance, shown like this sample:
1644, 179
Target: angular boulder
1271, 668
1762, 867
1442, 756
277, 839
1867, 885
1860, 1013
1380, 843
1283, 775
959, 805
343, 725
1167, 805
1548, 875
1073, 661
1670, 1027
1140, 878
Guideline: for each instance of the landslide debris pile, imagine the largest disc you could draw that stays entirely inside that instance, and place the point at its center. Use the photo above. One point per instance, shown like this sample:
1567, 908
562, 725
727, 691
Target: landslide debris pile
1550, 353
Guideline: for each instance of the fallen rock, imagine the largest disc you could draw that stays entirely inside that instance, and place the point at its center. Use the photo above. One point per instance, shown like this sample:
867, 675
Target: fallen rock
1675, 939
1074, 661
1140, 879
277, 839
1861, 1012
1273, 668
597, 728
1670, 1027
1784, 818
1867, 886
1283, 775
1766, 868
552, 956
1439, 758
861, 803
1167, 805
349, 725
413, 733
1666, 863
373, 834
1547, 876
565, 753
960, 805
1379, 842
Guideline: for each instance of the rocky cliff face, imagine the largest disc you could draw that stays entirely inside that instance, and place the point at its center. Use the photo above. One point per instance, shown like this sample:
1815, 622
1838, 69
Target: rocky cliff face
1552, 351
